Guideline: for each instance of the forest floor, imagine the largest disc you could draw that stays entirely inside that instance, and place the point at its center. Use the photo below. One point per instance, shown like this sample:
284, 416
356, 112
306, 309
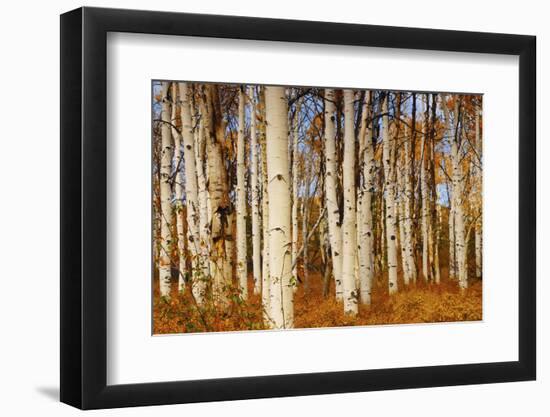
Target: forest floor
420, 303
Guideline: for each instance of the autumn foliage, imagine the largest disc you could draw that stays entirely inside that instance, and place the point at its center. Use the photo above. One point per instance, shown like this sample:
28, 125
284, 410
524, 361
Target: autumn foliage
420, 303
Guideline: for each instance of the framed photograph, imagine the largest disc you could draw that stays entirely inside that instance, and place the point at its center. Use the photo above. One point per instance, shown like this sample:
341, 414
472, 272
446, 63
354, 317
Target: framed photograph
257, 208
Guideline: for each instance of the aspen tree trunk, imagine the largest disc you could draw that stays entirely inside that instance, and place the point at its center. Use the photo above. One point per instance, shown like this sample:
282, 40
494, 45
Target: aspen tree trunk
398, 179
220, 208
333, 212
241, 202
366, 245
157, 219
295, 229
305, 218
436, 247
479, 187
178, 188
279, 208
266, 279
401, 174
434, 213
452, 246
408, 211
382, 234
204, 229
478, 248
400, 207
450, 195
458, 188
201, 175
457, 194
349, 245
230, 252
459, 223
255, 187
165, 195
391, 232
425, 213
191, 193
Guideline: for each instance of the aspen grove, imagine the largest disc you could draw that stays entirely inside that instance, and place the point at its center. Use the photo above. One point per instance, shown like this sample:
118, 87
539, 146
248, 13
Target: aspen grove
291, 207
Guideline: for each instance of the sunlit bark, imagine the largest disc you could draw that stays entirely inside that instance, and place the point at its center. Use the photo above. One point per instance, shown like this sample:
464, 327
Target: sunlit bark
165, 270
256, 192
279, 208
349, 245
389, 178
295, 202
365, 228
333, 211
178, 191
242, 273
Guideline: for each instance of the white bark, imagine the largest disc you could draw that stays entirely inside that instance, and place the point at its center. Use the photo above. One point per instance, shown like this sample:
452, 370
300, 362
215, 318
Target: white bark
457, 196
219, 201
365, 227
452, 246
436, 243
425, 210
333, 212
266, 280
191, 192
255, 188
295, 202
279, 208
349, 245
242, 273
165, 271
407, 213
391, 232
305, 216
478, 182
400, 208
204, 228
178, 187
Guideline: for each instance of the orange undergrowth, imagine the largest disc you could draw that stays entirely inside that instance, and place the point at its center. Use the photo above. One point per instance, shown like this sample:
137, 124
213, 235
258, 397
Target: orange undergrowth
420, 303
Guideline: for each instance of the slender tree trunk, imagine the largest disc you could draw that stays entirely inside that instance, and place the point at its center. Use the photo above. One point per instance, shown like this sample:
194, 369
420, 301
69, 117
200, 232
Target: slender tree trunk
305, 219
452, 240
279, 208
295, 201
334, 225
408, 210
425, 215
434, 201
391, 232
458, 189
401, 174
457, 195
366, 245
400, 207
349, 245
266, 279
191, 193
165, 270
437, 240
242, 273
479, 186
178, 187
204, 228
255, 187
325, 255
478, 248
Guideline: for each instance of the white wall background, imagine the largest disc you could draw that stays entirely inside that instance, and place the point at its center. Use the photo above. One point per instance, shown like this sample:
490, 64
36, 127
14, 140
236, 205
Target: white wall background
29, 219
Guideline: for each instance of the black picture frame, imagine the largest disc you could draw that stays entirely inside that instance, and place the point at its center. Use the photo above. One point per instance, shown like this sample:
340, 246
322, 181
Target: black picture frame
84, 207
